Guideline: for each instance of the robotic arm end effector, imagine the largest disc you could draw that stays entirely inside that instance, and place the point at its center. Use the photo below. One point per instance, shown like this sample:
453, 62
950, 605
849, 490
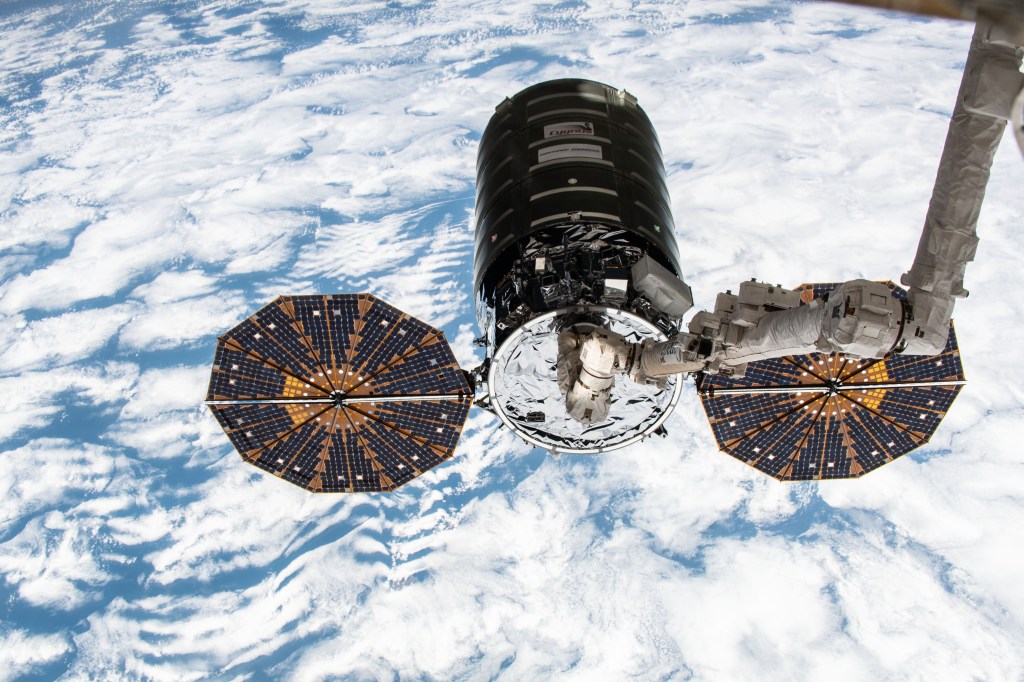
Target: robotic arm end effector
589, 357
860, 319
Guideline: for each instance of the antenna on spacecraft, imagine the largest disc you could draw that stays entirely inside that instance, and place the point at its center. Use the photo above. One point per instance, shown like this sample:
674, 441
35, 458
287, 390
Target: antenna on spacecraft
580, 298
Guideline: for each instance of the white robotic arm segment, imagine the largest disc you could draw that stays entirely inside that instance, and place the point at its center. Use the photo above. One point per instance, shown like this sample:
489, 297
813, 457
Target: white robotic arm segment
713, 334
795, 331
1017, 119
991, 81
860, 319
653, 361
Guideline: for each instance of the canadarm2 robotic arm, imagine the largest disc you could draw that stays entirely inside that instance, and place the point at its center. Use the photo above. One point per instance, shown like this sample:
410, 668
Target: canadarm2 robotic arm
990, 85
860, 318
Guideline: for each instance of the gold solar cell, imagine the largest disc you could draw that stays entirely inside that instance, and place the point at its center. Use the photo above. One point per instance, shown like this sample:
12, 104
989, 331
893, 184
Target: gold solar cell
341, 393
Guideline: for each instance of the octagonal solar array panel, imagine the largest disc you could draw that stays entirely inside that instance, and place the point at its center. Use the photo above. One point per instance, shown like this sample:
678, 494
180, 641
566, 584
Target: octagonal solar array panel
341, 393
829, 416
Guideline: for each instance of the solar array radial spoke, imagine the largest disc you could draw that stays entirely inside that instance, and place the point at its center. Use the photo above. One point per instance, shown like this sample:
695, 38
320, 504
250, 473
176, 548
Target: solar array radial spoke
340, 393
830, 416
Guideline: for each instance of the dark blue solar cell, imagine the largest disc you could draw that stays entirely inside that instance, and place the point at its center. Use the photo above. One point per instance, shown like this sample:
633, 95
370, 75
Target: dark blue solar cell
253, 427
334, 477
946, 366
438, 423
238, 376
361, 473
272, 336
280, 456
430, 369
329, 323
386, 335
769, 448
396, 451
822, 446
738, 416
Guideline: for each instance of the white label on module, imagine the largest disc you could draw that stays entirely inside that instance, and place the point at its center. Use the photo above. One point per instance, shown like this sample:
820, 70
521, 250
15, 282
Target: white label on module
569, 151
574, 128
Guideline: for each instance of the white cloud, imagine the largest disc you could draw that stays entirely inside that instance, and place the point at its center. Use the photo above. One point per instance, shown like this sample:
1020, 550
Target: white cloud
55, 549
954, 503
847, 602
170, 325
49, 221
58, 340
22, 651
163, 415
35, 399
169, 287
106, 256
163, 390
202, 166
51, 564
164, 435
429, 287
466, 353
353, 250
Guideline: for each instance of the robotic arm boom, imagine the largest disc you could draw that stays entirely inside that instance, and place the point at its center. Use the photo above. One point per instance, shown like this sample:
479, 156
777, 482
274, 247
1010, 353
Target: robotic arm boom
860, 318
991, 82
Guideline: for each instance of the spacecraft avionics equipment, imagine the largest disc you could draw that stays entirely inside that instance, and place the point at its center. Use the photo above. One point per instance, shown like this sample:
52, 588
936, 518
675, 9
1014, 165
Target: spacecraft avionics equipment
580, 297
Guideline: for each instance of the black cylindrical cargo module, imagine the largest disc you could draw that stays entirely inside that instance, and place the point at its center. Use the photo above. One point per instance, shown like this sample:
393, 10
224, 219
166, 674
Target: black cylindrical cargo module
574, 230
562, 153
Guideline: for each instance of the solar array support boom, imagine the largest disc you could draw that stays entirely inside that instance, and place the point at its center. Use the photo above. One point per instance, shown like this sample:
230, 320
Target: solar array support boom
1006, 12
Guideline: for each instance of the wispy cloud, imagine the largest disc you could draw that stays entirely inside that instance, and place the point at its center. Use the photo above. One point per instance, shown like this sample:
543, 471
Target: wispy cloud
57, 499
164, 175
22, 652
36, 399
60, 339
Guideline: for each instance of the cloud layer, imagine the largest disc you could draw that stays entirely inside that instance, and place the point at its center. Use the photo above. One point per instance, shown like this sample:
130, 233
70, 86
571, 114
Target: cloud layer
165, 170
